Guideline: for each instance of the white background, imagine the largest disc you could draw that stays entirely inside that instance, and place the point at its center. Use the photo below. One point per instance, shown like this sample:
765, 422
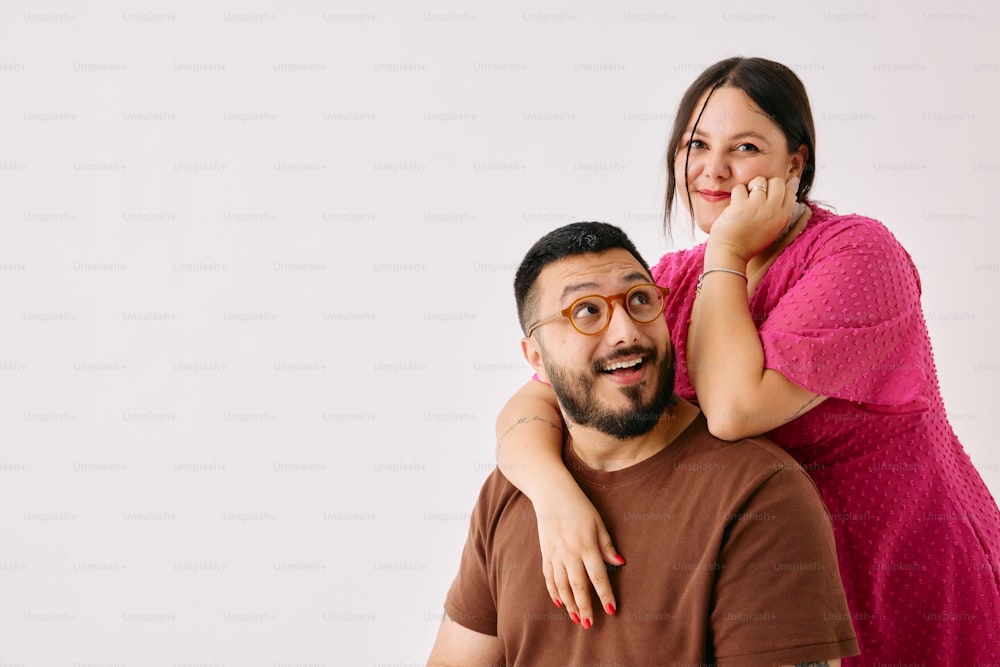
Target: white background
256, 265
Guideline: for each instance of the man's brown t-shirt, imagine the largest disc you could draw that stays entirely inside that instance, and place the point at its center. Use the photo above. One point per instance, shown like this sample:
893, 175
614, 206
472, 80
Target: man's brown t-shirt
731, 561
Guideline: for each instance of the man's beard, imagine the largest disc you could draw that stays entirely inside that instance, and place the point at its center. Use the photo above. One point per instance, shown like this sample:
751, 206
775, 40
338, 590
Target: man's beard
577, 397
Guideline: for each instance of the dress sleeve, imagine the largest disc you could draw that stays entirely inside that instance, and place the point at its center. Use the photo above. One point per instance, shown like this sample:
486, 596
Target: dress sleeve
678, 270
848, 323
779, 598
471, 600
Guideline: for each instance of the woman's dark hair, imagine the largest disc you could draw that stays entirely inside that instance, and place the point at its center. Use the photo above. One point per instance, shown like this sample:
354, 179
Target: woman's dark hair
774, 88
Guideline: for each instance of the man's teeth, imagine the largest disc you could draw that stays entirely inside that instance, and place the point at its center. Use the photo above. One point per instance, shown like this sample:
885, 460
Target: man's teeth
622, 364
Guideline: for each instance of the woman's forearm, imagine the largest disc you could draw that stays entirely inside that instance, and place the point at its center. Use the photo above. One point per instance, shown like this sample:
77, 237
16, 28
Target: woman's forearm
529, 443
725, 355
571, 534
738, 394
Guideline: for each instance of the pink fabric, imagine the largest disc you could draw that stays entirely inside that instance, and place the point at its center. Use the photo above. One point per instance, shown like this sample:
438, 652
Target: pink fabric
918, 533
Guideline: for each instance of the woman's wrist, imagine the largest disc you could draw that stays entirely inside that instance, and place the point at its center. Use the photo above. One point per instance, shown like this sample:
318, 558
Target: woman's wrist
557, 493
722, 255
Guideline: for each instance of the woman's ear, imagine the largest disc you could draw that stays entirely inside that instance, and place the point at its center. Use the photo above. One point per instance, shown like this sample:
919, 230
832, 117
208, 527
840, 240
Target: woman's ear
797, 161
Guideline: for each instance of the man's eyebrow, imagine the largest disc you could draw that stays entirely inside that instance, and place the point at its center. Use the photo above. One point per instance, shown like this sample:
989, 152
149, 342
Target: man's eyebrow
637, 277
573, 288
576, 287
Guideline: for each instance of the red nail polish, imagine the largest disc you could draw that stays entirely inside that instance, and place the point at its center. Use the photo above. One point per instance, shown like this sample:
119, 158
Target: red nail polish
618, 557
611, 608
586, 624
558, 604
576, 619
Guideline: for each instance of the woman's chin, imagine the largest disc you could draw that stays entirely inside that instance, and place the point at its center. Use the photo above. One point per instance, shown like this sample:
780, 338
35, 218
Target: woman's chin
704, 223
705, 216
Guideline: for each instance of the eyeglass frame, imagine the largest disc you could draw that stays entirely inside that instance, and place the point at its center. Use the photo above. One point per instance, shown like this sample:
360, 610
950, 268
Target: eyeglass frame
612, 301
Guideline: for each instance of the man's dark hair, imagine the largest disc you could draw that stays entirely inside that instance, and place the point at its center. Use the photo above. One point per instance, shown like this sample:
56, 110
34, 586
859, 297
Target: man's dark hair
578, 238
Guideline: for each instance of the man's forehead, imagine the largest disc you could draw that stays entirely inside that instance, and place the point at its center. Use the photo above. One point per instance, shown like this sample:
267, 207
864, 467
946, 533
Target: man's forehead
591, 272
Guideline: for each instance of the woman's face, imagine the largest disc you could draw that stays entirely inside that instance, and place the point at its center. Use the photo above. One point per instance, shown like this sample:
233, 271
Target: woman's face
735, 142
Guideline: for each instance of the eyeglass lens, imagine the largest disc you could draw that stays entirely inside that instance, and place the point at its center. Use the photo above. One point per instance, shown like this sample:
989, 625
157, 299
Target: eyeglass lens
591, 313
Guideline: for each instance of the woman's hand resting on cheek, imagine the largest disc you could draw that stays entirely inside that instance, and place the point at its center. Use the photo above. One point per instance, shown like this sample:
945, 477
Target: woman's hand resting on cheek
756, 217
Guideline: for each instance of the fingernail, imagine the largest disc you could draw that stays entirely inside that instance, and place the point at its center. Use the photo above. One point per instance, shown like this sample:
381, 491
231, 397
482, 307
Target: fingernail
558, 604
576, 619
611, 608
620, 559
586, 624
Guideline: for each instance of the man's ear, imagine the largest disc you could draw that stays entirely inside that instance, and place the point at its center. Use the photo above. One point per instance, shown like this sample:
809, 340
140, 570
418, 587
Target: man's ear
533, 355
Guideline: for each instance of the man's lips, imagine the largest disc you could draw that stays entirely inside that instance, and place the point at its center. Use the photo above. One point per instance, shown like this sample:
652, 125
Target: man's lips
625, 370
622, 364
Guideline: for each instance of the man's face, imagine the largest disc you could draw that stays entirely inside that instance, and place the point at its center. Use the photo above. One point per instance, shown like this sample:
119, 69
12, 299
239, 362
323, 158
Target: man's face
619, 381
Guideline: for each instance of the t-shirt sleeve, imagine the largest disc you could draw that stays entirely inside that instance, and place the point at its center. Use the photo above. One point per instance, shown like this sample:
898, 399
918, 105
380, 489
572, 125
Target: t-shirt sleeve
471, 600
778, 597
850, 326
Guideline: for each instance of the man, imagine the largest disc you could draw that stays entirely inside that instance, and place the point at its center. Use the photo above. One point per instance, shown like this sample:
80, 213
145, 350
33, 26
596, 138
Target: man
731, 552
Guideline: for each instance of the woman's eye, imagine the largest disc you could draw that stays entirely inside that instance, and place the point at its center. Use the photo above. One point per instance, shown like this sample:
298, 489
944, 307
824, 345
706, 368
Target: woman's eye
747, 148
695, 143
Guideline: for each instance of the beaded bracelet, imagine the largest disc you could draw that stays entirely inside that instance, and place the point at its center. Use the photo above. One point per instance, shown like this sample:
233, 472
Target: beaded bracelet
701, 278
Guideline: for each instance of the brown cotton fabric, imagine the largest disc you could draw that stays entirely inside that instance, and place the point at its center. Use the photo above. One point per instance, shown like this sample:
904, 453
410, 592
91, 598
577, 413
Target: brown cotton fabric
730, 561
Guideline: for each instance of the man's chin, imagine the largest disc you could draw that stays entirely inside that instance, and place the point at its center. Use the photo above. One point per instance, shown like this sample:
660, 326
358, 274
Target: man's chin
628, 425
619, 409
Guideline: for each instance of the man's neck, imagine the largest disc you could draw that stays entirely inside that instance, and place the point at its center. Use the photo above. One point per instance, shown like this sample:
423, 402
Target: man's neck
605, 452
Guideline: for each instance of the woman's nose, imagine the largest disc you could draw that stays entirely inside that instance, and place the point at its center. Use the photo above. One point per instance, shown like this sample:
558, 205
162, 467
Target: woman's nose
711, 164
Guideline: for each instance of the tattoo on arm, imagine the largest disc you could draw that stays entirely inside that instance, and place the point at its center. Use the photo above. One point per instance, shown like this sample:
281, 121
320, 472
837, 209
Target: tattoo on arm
798, 413
527, 420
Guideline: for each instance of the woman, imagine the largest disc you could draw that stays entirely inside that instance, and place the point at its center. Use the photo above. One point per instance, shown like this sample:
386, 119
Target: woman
805, 326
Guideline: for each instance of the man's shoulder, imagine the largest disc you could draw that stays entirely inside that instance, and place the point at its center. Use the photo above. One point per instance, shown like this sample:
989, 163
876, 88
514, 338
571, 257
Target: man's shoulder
726, 475
757, 456
496, 494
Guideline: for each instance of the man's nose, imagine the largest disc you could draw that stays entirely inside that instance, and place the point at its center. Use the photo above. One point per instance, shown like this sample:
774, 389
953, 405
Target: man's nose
621, 327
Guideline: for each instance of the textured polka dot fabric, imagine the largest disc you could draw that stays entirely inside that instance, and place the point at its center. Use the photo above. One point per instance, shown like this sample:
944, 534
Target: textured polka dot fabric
918, 533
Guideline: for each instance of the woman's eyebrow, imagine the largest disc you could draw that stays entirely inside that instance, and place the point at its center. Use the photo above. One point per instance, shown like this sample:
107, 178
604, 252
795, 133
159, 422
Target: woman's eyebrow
749, 134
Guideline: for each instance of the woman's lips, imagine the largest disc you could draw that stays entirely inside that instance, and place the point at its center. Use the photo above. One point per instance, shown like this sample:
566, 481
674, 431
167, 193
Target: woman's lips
713, 195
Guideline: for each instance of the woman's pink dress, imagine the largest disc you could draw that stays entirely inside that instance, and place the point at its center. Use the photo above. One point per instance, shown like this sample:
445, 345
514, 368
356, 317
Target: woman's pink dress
918, 533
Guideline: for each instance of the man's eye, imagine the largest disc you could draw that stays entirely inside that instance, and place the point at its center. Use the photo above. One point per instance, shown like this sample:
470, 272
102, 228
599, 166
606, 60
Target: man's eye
587, 309
639, 298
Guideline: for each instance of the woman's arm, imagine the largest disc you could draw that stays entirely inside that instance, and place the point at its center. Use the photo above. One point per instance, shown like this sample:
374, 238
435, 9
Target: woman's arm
572, 535
740, 398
